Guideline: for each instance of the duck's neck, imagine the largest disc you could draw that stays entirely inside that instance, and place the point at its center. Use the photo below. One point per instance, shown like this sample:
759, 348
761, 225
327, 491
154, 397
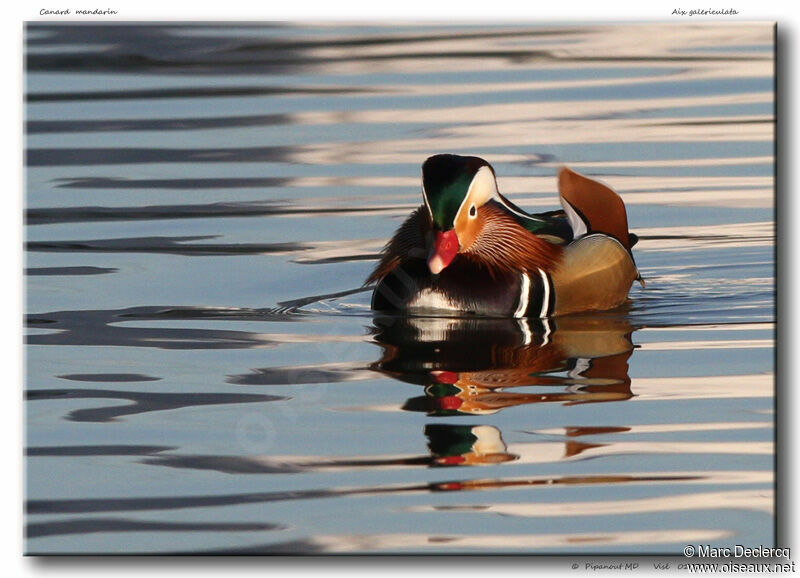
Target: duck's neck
505, 245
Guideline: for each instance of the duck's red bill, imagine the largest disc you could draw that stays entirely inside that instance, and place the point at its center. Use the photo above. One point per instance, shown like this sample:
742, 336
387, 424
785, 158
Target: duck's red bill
449, 402
445, 376
450, 460
445, 249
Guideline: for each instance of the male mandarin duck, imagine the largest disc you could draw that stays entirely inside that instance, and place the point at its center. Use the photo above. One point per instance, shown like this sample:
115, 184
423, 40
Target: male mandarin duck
469, 250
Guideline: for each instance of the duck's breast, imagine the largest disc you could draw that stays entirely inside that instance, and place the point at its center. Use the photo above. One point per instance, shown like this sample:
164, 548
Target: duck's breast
461, 288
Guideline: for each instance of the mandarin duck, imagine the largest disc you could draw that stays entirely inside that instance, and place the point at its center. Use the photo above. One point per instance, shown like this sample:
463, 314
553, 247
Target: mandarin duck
469, 250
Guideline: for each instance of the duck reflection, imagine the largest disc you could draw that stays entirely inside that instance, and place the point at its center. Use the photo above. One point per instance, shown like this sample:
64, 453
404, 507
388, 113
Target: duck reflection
449, 445
467, 365
459, 445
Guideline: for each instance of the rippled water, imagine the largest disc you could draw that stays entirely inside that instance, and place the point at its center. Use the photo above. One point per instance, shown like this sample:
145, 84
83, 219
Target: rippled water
203, 373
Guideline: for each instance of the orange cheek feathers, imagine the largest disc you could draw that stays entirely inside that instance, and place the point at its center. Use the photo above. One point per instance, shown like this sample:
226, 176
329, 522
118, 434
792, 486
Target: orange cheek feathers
445, 248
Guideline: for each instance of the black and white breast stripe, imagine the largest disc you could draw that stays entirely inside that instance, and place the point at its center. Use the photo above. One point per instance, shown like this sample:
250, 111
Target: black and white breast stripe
536, 295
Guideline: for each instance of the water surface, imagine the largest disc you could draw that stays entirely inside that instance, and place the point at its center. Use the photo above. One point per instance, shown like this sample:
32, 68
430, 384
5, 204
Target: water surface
203, 374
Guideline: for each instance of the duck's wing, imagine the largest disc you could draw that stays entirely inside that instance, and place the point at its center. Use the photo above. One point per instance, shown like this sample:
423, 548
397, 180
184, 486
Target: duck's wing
592, 207
552, 225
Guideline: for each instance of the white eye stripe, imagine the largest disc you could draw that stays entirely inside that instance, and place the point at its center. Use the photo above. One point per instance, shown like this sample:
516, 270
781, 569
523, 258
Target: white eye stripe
482, 188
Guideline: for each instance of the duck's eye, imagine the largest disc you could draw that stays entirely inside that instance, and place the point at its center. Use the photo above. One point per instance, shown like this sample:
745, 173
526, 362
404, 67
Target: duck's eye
473, 211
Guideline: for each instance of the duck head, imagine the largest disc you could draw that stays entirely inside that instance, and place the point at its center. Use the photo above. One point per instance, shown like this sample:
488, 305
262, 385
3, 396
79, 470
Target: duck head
455, 188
